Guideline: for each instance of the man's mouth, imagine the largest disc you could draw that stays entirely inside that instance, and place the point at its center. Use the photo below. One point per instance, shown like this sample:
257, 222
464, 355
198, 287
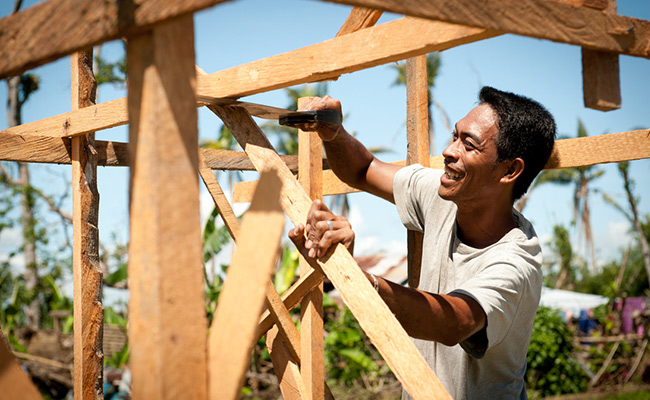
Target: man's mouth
452, 175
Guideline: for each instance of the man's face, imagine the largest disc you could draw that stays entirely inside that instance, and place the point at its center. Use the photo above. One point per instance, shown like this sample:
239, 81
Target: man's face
471, 174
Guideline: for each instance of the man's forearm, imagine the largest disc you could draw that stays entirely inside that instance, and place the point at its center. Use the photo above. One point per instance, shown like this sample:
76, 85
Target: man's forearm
348, 158
448, 319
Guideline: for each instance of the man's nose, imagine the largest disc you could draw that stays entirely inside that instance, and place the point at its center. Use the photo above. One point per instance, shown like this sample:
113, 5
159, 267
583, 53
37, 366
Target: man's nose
451, 151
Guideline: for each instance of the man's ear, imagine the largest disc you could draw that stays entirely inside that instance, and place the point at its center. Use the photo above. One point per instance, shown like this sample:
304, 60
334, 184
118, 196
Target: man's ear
515, 169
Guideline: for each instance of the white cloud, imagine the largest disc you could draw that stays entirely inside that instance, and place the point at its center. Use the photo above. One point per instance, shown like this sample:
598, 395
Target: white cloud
610, 243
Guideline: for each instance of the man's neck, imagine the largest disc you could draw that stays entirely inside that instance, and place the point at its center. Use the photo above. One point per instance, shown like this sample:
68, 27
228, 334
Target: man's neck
482, 227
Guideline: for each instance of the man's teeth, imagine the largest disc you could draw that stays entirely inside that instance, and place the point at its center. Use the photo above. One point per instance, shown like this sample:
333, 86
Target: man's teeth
452, 175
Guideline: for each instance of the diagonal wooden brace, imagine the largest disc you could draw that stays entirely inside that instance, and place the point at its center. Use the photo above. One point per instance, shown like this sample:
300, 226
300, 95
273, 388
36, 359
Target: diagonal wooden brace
373, 314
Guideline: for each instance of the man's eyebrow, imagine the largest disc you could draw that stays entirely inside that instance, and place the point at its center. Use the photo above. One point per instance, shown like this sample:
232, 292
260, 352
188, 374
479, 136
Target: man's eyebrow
469, 134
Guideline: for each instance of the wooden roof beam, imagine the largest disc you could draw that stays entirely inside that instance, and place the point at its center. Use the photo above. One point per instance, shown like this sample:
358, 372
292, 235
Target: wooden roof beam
565, 23
568, 153
389, 42
53, 29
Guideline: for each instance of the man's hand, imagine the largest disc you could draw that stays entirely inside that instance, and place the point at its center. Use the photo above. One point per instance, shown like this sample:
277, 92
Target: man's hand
326, 132
323, 230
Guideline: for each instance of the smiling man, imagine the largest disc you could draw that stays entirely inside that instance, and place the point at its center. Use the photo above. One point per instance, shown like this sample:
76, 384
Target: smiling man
472, 315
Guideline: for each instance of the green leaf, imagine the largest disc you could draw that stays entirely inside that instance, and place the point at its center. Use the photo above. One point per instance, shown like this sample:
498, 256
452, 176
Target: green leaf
118, 276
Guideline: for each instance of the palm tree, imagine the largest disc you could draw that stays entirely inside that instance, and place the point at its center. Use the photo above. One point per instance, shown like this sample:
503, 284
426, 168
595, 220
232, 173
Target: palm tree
580, 178
633, 213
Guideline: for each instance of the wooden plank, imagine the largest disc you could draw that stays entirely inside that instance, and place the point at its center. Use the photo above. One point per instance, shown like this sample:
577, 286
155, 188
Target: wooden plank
417, 150
568, 153
15, 384
359, 18
312, 355
56, 28
601, 80
86, 271
285, 366
601, 83
564, 23
49, 150
381, 44
167, 321
242, 297
374, 46
291, 298
373, 314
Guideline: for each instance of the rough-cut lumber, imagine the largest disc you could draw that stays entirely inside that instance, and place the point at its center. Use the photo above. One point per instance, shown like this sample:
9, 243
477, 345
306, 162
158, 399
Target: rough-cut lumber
312, 356
276, 307
568, 153
86, 272
417, 151
359, 18
242, 297
373, 314
601, 149
285, 367
167, 321
14, 382
582, 26
291, 298
392, 41
601, 83
55, 28
39, 149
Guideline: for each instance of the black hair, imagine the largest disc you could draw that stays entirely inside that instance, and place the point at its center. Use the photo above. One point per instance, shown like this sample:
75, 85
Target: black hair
526, 131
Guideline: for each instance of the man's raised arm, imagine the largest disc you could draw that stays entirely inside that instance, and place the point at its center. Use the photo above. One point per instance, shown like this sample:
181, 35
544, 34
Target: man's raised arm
350, 160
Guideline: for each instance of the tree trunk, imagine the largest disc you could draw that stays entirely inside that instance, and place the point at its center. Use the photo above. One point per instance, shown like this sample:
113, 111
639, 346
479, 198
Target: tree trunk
643, 240
14, 118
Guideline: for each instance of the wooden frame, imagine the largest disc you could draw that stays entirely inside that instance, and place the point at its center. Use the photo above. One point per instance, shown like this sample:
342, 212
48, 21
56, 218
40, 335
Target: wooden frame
168, 325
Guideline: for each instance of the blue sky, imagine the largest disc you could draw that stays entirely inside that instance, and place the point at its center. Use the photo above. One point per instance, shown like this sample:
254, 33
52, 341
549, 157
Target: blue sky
241, 31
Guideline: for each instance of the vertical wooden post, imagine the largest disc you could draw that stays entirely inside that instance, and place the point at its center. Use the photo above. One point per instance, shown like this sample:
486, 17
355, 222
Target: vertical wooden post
87, 274
601, 84
167, 321
417, 136
312, 357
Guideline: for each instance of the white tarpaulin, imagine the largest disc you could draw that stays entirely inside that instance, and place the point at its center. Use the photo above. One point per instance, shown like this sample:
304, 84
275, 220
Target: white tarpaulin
567, 300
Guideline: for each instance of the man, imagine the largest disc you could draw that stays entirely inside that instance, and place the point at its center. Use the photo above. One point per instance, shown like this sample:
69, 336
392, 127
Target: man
472, 315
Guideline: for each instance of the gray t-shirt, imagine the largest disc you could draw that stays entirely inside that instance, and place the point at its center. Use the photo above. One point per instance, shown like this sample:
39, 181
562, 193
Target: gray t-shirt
504, 278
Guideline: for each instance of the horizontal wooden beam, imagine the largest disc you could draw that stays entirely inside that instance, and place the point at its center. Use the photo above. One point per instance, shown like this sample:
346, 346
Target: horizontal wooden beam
392, 41
56, 28
565, 23
39, 149
568, 153
381, 44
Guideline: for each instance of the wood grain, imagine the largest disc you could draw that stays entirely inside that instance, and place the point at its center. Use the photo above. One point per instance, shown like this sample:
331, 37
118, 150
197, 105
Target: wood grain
373, 315
564, 23
381, 44
359, 18
417, 148
232, 336
312, 355
56, 28
167, 320
285, 366
15, 384
86, 271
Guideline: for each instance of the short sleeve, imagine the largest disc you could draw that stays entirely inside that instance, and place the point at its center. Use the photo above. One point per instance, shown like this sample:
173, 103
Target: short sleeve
502, 290
413, 187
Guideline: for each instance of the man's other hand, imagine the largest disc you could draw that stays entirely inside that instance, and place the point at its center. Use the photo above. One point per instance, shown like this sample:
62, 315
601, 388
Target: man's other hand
323, 230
